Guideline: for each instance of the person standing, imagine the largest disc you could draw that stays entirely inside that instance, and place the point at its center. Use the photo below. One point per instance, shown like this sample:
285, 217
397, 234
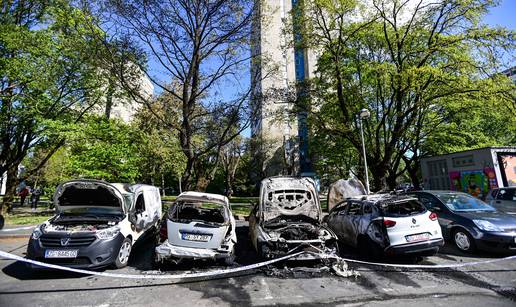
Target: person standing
23, 194
36, 193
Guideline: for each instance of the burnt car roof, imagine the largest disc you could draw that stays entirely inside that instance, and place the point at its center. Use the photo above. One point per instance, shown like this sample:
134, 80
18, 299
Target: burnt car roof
382, 199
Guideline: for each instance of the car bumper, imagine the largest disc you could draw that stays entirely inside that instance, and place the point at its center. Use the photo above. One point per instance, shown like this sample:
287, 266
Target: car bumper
430, 246
99, 253
497, 242
167, 251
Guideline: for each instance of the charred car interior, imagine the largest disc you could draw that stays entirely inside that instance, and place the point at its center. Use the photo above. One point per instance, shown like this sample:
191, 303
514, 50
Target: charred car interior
287, 219
198, 226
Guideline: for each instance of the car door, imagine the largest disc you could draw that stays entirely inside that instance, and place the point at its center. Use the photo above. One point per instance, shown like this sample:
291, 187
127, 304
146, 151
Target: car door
335, 218
505, 200
350, 229
444, 215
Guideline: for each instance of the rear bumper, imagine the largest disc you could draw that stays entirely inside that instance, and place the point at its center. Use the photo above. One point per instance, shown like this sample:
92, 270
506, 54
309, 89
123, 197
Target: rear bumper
430, 246
167, 251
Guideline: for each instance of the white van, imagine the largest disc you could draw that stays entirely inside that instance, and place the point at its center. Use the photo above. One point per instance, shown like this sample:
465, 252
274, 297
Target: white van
96, 224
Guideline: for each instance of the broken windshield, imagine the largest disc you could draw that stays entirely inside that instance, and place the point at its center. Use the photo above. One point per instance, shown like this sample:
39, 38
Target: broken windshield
186, 212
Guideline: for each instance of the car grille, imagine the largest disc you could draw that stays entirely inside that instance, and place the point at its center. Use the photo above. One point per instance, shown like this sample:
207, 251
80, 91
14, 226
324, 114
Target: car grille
76, 241
66, 261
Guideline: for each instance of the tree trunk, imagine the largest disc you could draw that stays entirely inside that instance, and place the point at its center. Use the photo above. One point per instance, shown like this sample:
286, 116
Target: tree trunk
10, 191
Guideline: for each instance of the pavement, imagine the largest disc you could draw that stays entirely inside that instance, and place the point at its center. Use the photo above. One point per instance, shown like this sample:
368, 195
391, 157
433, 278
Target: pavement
491, 284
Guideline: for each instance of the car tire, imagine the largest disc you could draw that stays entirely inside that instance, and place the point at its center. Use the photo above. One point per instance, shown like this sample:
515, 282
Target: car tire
368, 249
122, 257
228, 261
463, 241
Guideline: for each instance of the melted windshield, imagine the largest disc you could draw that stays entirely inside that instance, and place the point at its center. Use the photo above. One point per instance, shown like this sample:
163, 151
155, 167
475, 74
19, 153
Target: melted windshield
463, 202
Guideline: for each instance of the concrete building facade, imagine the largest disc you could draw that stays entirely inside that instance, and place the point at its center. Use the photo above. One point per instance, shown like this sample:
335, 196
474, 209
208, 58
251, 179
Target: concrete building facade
280, 131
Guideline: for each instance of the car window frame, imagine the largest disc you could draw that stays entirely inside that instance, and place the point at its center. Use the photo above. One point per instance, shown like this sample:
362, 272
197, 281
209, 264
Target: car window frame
360, 204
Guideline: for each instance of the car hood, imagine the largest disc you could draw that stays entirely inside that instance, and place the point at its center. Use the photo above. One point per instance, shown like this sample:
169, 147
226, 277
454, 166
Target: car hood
500, 219
76, 194
289, 196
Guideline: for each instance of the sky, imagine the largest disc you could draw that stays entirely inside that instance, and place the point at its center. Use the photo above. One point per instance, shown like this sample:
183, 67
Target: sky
503, 15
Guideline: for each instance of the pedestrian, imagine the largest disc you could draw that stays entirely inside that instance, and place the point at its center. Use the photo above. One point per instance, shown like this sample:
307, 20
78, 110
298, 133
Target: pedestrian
23, 194
36, 193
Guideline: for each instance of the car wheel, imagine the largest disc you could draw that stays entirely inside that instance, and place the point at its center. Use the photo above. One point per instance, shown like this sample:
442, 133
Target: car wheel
463, 241
228, 261
122, 257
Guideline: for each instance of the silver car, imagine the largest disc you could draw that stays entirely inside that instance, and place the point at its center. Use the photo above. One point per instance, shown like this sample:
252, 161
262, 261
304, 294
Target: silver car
503, 199
198, 226
287, 219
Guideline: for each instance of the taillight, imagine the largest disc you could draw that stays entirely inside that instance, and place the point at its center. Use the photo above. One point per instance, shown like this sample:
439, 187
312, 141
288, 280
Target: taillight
389, 223
433, 216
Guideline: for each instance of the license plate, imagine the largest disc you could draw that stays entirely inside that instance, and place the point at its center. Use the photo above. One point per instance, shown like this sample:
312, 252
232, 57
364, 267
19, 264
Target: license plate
52, 253
418, 237
196, 237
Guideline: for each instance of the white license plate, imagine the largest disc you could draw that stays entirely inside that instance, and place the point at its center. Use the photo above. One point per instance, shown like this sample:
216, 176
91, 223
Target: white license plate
196, 237
53, 253
418, 237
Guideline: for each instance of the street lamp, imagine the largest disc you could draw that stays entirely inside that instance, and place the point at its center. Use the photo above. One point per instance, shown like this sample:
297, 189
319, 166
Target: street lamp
364, 114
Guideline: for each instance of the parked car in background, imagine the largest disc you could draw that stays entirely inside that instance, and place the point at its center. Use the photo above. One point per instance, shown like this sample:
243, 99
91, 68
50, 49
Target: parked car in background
96, 224
503, 199
386, 224
198, 226
287, 219
469, 222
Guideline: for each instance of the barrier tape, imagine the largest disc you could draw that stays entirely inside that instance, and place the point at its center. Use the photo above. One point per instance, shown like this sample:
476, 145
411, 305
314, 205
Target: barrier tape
428, 266
18, 228
151, 276
247, 267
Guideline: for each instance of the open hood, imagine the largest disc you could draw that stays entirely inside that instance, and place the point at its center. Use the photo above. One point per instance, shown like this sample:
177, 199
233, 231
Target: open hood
84, 193
289, 196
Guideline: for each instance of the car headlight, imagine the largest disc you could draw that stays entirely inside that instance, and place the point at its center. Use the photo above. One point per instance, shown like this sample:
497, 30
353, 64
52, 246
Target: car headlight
486, 225
36, 233
108, 233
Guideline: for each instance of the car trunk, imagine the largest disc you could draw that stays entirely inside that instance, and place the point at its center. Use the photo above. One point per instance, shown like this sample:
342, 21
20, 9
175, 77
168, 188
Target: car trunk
197, 225
407, 221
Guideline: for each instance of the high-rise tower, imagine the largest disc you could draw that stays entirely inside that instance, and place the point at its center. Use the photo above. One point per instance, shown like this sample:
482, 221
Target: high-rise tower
280, 131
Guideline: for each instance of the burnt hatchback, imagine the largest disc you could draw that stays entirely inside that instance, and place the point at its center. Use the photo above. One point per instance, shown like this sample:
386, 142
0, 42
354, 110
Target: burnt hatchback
287, 219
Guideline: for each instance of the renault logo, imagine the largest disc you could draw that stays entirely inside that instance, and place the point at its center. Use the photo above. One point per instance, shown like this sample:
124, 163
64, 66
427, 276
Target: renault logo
413, 221
65, 241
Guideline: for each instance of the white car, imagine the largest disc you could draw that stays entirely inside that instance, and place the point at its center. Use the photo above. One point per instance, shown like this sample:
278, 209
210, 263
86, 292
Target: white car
386, 224
503, 199
96, 224
198, 226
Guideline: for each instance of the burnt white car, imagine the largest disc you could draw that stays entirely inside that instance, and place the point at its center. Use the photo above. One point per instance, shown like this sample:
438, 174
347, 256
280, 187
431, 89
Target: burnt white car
198, 226
386, 224
96, 224
287, 220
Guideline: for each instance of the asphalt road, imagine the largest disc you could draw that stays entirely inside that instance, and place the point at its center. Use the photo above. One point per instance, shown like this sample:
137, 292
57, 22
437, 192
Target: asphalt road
484, 285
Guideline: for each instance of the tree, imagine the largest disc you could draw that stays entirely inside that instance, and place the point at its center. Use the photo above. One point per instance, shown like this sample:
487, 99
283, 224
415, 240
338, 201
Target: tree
406, 61
231, 155
48, 75
198, 46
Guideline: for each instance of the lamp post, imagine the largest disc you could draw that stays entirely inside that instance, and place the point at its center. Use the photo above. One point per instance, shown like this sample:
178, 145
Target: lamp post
364, 113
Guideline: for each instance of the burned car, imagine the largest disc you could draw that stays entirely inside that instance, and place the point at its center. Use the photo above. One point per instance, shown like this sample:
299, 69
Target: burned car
198, 226
386, 224
287, 219
96, 224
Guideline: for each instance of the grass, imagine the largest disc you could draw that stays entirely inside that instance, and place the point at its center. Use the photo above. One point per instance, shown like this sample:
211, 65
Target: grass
26, 219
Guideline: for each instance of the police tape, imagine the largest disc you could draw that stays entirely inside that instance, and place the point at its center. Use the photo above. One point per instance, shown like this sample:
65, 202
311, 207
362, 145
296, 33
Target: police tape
250, 267
151, 276
16, 229
422, 266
